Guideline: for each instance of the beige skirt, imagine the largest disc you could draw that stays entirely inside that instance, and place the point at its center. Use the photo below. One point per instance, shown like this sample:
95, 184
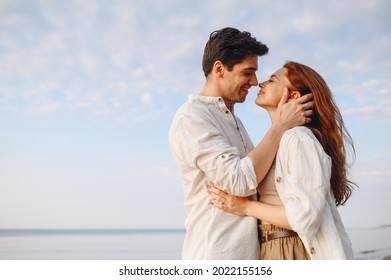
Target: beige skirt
285, 248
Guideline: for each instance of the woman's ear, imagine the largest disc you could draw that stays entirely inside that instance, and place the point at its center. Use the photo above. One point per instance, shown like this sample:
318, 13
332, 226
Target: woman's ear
294, 95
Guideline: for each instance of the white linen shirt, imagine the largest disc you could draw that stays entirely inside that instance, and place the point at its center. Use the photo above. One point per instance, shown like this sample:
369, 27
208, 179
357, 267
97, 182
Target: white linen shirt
209, 143
302, 177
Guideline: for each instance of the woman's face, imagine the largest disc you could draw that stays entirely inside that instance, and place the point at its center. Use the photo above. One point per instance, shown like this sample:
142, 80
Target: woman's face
271, 91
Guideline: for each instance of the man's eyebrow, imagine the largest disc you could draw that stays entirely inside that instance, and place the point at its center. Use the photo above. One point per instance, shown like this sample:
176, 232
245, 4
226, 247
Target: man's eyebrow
273, 76
250, 68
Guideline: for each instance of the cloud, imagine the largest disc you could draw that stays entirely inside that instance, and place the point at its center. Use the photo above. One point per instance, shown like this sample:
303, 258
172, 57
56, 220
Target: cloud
374, 113
373, 169
146, 98
133, 62
372, 100
91, 59
130, 58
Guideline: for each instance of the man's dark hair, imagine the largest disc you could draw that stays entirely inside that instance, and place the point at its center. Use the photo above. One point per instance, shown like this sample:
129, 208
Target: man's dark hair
230, 46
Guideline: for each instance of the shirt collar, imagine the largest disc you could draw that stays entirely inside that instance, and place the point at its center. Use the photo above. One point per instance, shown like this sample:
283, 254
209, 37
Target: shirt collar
215, 101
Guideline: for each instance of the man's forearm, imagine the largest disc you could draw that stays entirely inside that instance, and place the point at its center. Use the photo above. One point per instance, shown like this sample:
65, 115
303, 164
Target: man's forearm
264, 153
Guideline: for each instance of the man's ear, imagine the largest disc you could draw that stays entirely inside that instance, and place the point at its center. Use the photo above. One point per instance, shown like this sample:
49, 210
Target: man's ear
295, 95
218, 68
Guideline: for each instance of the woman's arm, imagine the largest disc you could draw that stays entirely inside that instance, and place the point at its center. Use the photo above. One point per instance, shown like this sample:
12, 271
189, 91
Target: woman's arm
243, 206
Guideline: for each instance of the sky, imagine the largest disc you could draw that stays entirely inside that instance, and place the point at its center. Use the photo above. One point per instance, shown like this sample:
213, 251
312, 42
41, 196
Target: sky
88, 90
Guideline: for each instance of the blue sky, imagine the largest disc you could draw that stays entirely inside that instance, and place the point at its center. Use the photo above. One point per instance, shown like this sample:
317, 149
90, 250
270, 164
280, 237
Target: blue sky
88, 90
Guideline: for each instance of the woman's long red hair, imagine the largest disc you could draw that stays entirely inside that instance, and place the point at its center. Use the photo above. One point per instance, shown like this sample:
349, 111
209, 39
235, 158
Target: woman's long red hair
327, 125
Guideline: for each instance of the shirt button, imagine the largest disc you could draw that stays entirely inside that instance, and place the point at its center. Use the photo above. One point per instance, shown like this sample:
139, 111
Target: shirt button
312, 250
220, 99
278, 179
226, 112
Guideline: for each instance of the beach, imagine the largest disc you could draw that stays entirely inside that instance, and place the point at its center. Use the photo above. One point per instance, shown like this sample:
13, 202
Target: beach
371, 243
142, 244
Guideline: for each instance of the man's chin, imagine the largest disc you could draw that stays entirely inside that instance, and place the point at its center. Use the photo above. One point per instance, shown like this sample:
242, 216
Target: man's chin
241, 100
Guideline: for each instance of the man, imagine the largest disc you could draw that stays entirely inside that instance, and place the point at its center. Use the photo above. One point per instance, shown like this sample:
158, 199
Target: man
209, 143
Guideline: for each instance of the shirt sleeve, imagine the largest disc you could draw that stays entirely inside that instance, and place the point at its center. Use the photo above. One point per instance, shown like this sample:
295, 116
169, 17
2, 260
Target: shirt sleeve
306, 181
202, 145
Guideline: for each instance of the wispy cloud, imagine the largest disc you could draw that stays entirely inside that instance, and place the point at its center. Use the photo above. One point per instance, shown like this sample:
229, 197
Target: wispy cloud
131, 63
87, 57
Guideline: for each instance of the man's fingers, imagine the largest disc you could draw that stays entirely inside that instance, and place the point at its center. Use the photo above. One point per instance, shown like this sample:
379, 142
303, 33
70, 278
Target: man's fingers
285, 96
308, 105
305, 98
308, 113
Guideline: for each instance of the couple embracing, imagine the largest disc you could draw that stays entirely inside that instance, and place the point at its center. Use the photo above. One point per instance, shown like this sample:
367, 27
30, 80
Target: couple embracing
275, 200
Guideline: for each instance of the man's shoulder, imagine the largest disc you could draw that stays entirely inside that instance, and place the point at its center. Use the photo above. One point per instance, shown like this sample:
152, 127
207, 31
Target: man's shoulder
192, 108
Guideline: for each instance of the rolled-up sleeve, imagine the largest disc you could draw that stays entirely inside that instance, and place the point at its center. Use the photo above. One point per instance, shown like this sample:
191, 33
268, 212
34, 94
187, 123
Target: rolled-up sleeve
203, 146
303, 181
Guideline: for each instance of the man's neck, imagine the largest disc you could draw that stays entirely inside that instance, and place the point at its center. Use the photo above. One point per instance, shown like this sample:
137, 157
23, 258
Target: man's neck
211, 89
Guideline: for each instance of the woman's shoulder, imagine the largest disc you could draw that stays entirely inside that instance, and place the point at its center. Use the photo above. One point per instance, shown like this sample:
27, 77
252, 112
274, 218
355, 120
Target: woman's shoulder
301, 141
298, 133
300, 136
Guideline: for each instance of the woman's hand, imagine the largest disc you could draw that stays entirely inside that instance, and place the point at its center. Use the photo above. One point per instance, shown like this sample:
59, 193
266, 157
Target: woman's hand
227, 202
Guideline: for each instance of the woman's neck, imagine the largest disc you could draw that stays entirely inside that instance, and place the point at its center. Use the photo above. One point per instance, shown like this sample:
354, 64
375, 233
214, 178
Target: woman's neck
272, 114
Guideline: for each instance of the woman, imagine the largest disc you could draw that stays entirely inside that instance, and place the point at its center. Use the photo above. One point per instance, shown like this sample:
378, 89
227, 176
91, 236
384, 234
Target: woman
299, 196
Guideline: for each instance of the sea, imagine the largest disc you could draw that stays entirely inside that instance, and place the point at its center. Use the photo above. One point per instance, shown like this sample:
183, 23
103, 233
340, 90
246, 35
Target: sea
141, 244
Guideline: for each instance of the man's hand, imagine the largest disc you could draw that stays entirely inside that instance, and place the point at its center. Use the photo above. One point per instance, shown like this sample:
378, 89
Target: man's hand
296, 112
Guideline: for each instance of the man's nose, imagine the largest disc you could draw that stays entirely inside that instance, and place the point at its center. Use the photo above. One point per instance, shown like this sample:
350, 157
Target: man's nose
254, 81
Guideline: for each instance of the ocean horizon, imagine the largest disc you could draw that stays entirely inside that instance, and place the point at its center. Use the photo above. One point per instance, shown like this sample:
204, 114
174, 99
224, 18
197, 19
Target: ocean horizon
142, 244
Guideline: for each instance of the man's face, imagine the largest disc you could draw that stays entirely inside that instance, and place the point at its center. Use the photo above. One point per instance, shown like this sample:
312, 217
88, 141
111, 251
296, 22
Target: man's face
238, 81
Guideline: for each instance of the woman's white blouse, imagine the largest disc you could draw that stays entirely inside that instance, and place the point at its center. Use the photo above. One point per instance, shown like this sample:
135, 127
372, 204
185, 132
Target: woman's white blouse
302, 176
